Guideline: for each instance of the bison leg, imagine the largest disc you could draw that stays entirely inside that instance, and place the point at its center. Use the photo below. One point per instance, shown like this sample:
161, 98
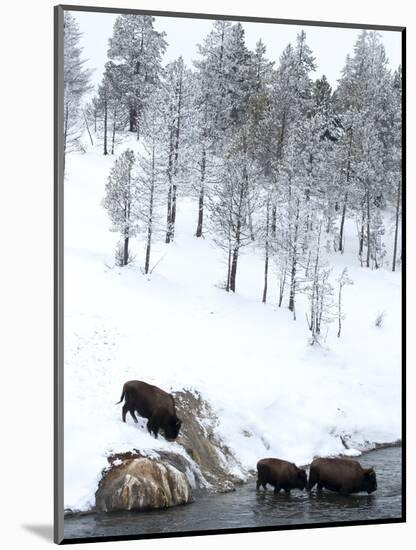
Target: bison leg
276, 489
152, 427
313, 479
124, 412
133, 415
261, 483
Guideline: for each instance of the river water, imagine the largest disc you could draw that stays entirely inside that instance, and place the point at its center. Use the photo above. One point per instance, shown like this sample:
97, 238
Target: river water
246, 507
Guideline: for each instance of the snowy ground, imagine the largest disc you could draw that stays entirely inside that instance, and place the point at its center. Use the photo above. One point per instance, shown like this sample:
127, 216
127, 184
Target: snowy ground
274, 394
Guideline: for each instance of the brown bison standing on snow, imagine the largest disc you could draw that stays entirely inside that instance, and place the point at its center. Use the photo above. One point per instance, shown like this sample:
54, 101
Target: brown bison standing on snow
342, 475
153, 403
280, 474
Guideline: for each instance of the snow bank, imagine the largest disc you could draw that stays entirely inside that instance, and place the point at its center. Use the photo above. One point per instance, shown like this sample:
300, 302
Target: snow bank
273, 393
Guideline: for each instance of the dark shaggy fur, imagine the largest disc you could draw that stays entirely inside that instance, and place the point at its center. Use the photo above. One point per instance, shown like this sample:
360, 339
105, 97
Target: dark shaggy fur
153, 403
342, 475
280, 474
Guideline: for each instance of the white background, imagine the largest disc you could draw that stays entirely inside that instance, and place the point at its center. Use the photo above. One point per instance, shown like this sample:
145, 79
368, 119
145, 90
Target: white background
26, 270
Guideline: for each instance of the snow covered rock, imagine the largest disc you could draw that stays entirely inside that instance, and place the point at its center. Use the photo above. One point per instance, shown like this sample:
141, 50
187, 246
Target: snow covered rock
203, 445
140, 483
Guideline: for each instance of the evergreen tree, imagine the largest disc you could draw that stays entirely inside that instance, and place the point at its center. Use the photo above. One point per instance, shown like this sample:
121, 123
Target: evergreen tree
121, 202
137, 49
175, 98
76, 84
361, 100
151, 178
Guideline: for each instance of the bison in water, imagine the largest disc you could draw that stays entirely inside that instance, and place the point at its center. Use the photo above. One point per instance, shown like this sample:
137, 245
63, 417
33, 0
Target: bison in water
153, 403
280, 474
342, 475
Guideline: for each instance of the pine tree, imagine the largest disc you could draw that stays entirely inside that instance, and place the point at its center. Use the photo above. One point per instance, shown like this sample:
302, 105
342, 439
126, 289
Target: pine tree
76, 84
232, 203
121, 202
394, 153
175, 97
137, 49
361, 100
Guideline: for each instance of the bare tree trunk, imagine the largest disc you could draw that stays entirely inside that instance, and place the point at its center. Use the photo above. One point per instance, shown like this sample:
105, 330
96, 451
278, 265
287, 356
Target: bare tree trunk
176, 149
105, 124
341, 227
314, 322
150, 220
173, 212
282, 285
113, 137
266, 256
344, 206
396, 228
307, 264
170, 178
233, 274
361, 237
201, 196
293, 270
169, 216
292, 286
250, 217
88, 129
132, 118
227, 286
274, 221
339, 310
138, 116
126, 251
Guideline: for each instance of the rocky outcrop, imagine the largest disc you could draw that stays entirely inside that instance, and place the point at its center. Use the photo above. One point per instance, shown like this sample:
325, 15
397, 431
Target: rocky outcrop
134, 481
198, 438
140, 483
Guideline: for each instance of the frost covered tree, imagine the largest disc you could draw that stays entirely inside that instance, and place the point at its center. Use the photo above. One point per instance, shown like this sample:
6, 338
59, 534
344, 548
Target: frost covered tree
147, 183
231, 204
121, 202
175, 97
289, 105
201, 149
109, 106
343, 280
394, 154
211, 71
76, 84
150, 177
361, 97
137, 49
319, 290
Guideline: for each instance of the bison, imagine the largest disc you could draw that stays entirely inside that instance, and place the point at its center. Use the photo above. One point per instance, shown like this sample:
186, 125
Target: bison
153, 403
342, 475
280, 474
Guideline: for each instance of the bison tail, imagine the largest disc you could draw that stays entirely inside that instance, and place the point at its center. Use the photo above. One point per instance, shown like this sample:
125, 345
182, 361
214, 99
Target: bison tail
121, 398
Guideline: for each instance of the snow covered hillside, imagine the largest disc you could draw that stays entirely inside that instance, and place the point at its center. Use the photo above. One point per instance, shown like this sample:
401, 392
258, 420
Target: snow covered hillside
275, 395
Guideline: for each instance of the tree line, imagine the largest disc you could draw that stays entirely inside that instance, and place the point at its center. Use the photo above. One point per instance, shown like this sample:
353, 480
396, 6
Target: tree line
273, 157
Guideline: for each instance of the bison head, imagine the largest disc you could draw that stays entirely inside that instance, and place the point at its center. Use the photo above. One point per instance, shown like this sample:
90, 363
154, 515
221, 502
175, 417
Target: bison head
301, 479
172, 429
370, 481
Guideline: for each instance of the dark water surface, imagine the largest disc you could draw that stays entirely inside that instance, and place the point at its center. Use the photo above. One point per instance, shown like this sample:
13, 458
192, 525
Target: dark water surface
247, 507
